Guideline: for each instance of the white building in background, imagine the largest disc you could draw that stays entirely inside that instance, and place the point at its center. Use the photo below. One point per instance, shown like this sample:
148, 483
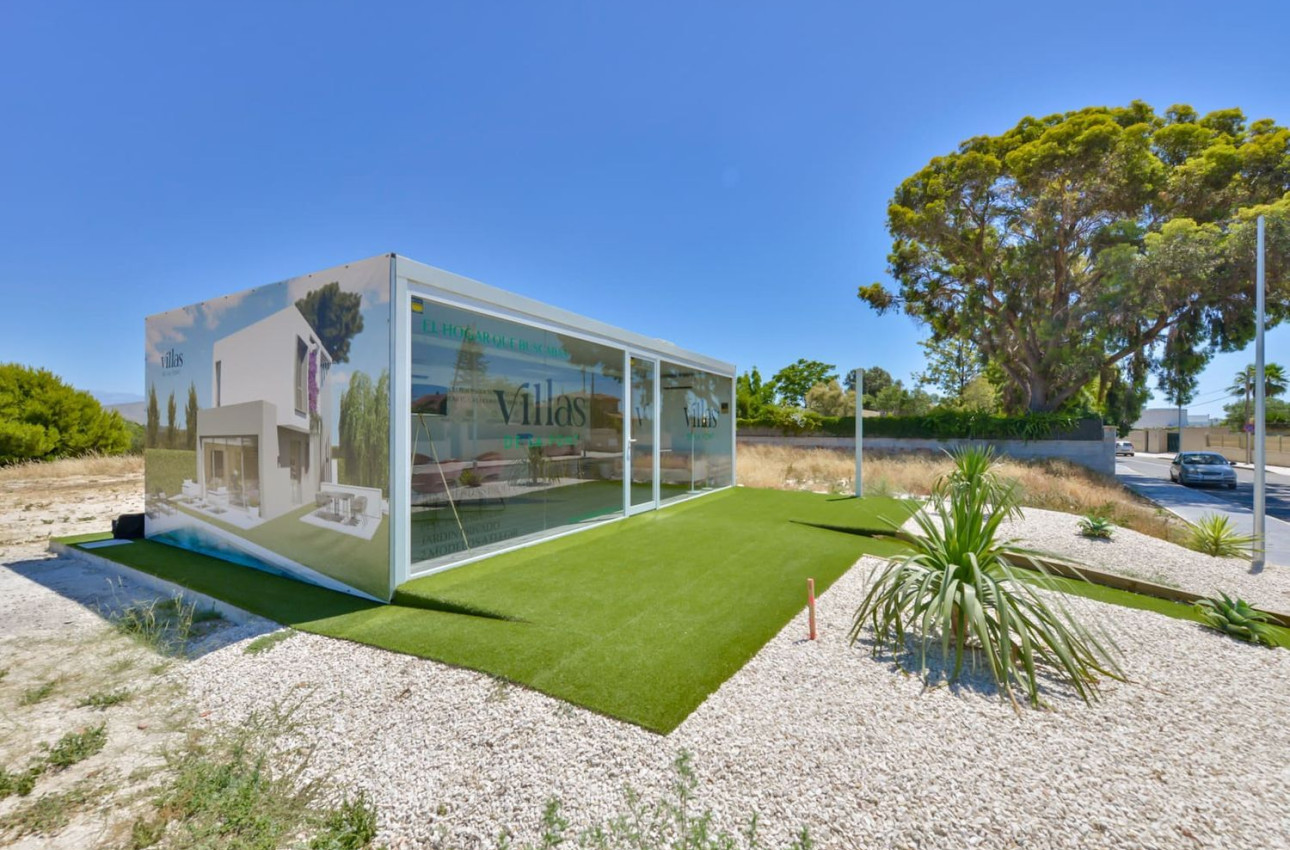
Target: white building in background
1161, 417
261, 443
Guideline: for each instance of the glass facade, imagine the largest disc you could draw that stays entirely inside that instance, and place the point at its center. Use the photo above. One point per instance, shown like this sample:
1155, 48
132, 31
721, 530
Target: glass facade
519, 432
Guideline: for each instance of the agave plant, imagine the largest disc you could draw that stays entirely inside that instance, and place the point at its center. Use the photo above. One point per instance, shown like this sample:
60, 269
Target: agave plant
1096, 527
1215, 535
1236, 618
959, 587
974, 472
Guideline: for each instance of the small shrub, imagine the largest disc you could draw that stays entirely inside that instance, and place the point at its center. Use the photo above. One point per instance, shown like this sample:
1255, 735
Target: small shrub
264, 643
1096, 527
1214, 534
76, 747
31, 696
22, 783
1236, 618
959, 584
104, 699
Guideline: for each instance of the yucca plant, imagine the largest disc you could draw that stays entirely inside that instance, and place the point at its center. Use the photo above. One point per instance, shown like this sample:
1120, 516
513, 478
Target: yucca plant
1096, 527
974, 472
959, 588
1235, 617
1215, 535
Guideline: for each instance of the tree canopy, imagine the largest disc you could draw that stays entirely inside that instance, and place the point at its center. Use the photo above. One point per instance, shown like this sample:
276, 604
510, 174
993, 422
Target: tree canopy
42, 418
1075, 242
795, 379
336, 316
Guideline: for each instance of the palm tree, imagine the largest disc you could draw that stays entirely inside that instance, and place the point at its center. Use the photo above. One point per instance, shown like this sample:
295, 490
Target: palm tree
1274, 384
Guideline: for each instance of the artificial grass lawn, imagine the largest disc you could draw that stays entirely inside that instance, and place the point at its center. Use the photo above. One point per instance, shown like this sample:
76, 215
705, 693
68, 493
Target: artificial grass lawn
639, 619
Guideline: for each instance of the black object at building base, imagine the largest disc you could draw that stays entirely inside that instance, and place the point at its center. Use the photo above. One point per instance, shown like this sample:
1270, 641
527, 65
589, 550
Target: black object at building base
128, 527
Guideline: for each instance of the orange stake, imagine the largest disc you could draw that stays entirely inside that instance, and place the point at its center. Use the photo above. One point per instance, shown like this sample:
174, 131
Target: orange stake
810, 603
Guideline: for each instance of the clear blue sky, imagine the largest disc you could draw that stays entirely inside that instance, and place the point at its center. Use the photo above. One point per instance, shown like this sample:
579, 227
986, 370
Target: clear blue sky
712, 173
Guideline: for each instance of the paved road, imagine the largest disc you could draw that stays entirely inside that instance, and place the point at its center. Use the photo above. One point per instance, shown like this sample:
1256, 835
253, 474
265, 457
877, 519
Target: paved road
1150, 477
1278, 487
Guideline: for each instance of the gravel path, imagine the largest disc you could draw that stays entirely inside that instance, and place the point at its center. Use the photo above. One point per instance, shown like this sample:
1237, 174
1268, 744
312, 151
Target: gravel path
1137, 555
1194, 752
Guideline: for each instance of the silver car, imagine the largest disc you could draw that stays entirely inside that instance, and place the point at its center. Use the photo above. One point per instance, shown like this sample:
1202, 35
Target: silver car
1190, 468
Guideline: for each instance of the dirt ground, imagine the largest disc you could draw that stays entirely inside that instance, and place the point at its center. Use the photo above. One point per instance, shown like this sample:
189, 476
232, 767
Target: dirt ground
64, 669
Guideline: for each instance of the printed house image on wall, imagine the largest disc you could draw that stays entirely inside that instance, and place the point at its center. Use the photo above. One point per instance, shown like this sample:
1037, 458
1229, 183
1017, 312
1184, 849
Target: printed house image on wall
384, 419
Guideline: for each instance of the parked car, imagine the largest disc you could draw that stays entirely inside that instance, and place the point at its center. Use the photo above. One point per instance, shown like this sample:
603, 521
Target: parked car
1123, 447
1190, 468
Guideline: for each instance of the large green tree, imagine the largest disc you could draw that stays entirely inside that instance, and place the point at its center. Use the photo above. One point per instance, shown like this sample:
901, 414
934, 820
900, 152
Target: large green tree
752, 394
190, 418
335, 315
42, 418
795, 379
153, 425
1074, 242
952, 364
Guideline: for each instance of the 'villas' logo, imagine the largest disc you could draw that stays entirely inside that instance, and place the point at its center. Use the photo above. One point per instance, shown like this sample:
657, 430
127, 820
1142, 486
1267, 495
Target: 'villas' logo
172, 360
535, 409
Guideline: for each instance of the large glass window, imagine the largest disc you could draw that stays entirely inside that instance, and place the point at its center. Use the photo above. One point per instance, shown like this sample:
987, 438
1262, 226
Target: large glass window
516, 431
695, 445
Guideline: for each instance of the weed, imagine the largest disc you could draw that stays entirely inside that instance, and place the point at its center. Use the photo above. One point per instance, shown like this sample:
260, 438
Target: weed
4, 671
51, 812
350, 826
671, 822
161, 625
31, 696
104, 699
121, 664
76, 747
241, 788
499, 692
264, 643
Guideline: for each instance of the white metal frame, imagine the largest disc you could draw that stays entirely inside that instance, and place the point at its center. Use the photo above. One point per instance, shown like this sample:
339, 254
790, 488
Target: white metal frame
409, 278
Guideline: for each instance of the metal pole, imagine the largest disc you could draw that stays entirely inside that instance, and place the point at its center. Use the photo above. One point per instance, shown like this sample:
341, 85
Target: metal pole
859, 432
1260, 417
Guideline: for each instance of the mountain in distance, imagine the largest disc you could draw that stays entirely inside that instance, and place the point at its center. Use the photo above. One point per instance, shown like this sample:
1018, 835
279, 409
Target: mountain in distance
132, 406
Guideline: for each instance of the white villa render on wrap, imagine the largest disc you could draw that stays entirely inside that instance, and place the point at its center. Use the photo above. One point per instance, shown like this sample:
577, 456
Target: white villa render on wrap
261, 442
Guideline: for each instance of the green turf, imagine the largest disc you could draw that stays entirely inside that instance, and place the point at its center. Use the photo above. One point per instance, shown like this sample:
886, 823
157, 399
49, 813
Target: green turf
639, 619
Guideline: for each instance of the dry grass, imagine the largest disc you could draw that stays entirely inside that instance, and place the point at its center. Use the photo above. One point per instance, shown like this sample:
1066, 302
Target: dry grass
1050, 484
86, 466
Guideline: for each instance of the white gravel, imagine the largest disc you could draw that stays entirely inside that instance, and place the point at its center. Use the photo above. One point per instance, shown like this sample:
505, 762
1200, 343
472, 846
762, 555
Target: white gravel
1193, 752
1137, 555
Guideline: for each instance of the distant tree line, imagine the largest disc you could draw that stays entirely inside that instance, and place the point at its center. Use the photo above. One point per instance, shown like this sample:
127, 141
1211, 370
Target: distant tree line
43, 418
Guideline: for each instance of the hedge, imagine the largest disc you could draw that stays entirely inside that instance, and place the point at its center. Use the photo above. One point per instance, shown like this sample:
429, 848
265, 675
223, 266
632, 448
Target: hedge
938, 425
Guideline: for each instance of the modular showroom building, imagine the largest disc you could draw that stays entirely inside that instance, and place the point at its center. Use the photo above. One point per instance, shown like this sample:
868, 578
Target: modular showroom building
381, 420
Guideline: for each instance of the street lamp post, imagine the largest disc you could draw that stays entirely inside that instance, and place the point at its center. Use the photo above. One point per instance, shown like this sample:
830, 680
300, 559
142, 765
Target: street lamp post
1260, 415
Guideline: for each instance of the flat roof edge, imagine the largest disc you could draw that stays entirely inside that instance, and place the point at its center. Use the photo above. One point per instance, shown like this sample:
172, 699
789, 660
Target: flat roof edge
455, 284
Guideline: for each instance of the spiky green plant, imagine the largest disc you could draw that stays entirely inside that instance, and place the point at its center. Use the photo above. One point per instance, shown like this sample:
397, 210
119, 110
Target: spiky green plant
959, 585
1214, 534
975, 472
1096, 527
1235, 617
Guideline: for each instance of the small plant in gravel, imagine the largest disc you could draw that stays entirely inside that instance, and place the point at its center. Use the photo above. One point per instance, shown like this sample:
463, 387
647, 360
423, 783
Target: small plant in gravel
1214, 534
240, 787
671, 823
104, 699
163, 626
1235, 618
1096, 527
39, 693
77, 746
22, 783
266, 642
49, 813
959, 587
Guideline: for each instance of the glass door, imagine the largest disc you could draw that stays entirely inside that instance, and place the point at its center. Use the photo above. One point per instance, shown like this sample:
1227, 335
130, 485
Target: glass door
641, 455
